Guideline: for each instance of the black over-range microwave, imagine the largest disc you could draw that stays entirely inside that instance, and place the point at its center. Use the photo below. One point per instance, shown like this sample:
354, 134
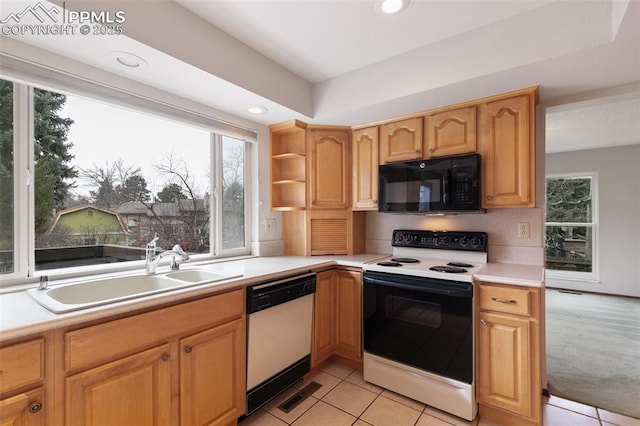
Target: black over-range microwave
441, 185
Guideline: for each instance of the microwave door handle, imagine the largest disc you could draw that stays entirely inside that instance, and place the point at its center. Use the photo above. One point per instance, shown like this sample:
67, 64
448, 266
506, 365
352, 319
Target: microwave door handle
445, 187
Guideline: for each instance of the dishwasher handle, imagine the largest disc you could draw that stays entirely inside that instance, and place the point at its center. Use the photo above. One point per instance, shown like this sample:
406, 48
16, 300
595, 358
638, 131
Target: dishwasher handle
266, 295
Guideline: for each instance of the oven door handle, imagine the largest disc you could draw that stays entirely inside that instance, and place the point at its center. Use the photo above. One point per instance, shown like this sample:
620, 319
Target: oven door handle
425, 285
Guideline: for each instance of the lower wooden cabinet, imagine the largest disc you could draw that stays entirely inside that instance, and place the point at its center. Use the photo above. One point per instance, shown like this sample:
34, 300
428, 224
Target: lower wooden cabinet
509, 354
210, 373
24, 409
324, 318
135, 390
184, 364
349, 314
337, 326
23, 401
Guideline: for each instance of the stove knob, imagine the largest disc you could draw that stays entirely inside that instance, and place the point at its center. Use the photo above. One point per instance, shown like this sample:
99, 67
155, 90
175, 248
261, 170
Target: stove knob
445, 241
464, 241
475, 241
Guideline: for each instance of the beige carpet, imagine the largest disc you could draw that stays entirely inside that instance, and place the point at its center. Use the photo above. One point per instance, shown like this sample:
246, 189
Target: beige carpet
593, 350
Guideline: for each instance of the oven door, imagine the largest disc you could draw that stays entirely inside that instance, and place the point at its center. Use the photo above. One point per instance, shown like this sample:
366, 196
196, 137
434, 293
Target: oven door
421, 322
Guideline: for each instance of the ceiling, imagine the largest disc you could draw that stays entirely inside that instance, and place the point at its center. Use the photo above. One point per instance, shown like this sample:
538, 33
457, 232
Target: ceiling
342, 62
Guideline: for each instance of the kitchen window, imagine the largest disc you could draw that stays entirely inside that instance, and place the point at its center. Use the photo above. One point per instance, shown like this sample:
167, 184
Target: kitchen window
571, 226
85, 183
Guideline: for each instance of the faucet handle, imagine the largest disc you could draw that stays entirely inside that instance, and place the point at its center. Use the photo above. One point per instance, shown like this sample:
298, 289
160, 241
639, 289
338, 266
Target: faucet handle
175, 264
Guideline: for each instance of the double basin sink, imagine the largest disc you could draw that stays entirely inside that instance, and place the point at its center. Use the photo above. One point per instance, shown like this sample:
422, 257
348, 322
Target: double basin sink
86, 294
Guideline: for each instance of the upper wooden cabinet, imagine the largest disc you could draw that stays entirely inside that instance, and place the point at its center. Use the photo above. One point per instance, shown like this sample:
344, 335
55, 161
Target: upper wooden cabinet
451, 132
288, 145
365, 168
401, 140
310, 166
329, 161
507, 148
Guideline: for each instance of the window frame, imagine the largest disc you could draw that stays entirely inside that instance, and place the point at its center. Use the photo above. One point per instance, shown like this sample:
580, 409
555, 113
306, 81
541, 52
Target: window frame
594, 275
24, 270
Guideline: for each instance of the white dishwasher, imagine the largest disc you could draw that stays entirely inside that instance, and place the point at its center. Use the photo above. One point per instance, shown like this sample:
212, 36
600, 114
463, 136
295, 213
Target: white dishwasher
280, 316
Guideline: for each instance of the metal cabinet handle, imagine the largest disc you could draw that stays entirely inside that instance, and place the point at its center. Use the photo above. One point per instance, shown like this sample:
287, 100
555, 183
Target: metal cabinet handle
166, 357
511, 302
188, 349
35, 407
483, 322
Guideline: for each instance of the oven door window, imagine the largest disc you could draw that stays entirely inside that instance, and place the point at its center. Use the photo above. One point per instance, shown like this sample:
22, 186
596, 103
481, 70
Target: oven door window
428, 331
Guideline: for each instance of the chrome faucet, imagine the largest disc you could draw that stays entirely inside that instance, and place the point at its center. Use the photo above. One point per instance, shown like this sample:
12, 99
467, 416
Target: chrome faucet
44, 282
152, 259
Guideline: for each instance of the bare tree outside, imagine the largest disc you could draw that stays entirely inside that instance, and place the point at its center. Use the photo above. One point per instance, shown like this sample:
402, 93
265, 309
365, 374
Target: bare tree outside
143, 174
569, 224
233, 197
193, 209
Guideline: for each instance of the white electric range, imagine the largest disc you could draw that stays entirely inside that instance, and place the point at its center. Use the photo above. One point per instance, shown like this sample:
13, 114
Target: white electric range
418, 328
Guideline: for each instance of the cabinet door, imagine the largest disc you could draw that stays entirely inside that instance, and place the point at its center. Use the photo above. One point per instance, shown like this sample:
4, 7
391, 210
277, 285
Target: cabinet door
22, 365
507, 147
329, 167
212, 376
365, 169
451, 132
504, 358
323, 318
135, 390
401, 140
349, 314
25, 409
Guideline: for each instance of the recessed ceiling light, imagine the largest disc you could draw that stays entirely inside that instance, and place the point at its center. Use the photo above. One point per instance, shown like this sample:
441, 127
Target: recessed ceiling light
128, 60
257, 109
389, 7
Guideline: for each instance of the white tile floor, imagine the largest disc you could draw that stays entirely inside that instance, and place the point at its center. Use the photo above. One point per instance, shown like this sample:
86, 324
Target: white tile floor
346, 399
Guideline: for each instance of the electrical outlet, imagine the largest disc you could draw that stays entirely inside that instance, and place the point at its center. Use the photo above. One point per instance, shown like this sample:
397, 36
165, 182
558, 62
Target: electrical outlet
270, 225
523, 230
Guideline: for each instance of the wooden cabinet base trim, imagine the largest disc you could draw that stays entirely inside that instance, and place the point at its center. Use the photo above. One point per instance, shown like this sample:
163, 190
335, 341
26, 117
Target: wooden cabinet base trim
503, 417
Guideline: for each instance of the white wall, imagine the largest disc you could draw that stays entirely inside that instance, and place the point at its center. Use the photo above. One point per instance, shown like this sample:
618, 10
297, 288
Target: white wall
500, 225
619, 212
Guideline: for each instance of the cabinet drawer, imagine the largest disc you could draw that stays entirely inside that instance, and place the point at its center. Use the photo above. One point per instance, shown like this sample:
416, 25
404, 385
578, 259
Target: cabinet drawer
104, 342
22, 364
506, 299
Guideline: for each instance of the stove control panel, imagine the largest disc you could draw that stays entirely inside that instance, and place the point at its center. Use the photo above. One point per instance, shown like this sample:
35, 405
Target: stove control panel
446, 240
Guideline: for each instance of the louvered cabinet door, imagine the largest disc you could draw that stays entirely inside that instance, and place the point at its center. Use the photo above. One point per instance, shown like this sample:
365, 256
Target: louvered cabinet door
329, 233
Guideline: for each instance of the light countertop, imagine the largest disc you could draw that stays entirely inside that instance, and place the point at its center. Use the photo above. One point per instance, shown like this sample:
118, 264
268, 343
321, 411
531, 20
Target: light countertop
514, 274
21, 315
